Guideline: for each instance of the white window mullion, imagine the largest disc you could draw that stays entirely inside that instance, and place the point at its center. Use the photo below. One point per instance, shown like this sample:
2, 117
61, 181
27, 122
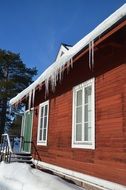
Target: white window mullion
41, 123
83, 111
93, 113
43, 120
47, 121
75, 114
78, 115
39, 126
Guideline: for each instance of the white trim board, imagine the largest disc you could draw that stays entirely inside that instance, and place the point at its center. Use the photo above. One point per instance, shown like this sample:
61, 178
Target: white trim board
94, 181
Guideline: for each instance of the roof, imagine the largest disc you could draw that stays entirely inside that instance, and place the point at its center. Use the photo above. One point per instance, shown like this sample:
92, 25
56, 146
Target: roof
63, 49
67, 46
54, 71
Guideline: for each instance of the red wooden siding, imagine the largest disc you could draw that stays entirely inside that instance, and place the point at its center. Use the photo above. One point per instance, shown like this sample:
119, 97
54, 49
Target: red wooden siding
108, 160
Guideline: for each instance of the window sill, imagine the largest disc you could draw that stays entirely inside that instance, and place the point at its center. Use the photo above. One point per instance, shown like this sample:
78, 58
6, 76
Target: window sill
83, 146
42, 143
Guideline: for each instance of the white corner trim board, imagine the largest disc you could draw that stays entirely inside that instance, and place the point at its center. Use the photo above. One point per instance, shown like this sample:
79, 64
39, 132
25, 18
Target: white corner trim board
52, 72
94, 181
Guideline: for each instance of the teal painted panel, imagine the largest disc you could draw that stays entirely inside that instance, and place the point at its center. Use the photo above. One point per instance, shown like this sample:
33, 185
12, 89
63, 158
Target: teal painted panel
27, 131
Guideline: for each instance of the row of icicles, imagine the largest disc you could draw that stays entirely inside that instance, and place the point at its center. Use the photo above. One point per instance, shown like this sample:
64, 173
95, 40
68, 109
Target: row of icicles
57, 75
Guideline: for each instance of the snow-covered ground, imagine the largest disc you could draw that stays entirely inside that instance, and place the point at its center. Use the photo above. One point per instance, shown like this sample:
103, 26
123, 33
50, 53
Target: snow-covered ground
18, 176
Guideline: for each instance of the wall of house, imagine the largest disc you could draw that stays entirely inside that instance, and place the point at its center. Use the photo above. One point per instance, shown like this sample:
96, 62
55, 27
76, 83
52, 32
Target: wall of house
108, 160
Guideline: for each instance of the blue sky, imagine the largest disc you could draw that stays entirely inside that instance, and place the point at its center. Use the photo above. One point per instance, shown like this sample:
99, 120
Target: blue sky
36, 28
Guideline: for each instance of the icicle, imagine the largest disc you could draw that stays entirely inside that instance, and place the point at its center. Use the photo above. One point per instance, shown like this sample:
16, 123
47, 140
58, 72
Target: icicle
57, 75
90, 55
71, 62
29, 102
55, 78
52, 80
33, 97
92, 49
46, 87
54, 85
61, 70
68, 66
60, 73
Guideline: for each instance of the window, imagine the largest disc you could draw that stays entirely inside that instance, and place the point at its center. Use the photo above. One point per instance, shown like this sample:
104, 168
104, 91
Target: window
83, 131
43, 123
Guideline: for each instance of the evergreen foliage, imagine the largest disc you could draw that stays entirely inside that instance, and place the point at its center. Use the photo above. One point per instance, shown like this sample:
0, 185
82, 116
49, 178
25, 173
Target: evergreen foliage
14, 77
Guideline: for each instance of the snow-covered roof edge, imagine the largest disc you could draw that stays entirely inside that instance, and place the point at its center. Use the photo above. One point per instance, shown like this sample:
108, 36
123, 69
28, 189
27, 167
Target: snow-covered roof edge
51, 71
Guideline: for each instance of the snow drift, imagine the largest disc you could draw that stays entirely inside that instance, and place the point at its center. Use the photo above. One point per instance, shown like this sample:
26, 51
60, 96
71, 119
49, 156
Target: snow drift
20, 176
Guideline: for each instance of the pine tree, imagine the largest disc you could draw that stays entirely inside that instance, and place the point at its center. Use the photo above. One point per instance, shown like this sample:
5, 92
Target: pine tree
14, 77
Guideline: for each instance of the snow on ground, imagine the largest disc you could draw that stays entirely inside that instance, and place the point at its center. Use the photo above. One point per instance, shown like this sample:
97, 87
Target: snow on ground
20, 176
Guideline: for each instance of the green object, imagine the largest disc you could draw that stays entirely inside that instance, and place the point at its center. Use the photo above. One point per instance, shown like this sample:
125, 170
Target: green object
27, 130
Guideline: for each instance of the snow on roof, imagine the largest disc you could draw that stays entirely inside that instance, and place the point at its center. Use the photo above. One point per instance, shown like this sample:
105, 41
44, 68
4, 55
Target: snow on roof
51, 73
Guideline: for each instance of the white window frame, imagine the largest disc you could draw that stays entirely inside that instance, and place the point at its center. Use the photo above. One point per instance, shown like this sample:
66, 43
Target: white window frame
41, 142
84, 144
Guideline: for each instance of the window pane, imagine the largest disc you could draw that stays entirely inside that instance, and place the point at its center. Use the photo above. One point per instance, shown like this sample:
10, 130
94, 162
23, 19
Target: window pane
44, 134
45, 122
45, 110
79, 98
87, 132
42, 108
89, 116
41, 122
86, 113
40, 134
79, 114
78, 132
88, 95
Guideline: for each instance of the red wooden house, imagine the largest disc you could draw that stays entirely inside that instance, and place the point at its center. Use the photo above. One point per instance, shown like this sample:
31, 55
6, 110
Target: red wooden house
76, 110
